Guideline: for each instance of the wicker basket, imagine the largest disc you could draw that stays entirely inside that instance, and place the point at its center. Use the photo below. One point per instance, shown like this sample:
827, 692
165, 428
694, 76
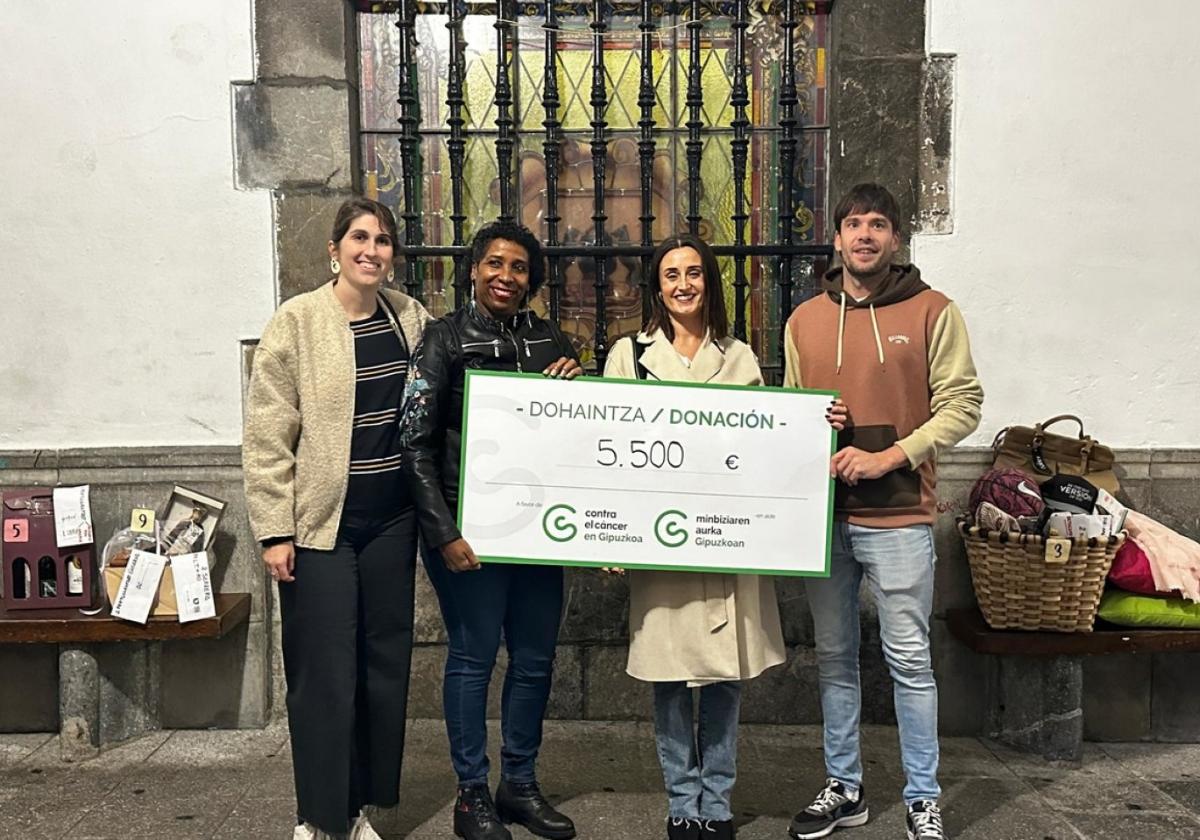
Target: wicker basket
1018, 588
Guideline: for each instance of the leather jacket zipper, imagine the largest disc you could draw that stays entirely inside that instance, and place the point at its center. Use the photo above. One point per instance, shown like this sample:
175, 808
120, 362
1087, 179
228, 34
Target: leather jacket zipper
494, 344
528, 354
516, 350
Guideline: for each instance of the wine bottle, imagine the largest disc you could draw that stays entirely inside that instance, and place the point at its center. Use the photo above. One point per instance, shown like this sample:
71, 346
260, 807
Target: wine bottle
74, 575
47, 578
20, 578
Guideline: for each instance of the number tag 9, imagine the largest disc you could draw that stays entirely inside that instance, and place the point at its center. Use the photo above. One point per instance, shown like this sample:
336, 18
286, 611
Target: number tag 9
141, 520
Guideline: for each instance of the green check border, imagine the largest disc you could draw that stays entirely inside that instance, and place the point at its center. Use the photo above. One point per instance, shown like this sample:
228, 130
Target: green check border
596, 564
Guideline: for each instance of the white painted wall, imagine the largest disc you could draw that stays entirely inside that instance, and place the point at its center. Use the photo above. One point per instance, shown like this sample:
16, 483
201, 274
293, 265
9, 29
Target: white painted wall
131, 264
1076, 186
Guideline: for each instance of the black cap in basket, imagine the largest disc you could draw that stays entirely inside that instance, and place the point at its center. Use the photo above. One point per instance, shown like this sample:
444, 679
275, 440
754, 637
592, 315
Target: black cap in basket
1069, 494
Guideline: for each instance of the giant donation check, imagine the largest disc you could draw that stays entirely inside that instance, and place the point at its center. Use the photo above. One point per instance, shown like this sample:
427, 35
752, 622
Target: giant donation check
601, 472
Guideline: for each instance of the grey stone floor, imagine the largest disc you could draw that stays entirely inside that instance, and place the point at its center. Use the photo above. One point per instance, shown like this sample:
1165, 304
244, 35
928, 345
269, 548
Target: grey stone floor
237, 785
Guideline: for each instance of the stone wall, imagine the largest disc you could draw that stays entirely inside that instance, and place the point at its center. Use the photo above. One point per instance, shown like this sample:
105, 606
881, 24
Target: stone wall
296, 129
237, 681
1126, 697
207, 683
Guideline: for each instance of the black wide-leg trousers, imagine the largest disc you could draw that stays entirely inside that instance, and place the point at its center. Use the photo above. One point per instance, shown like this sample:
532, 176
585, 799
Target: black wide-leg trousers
347, 647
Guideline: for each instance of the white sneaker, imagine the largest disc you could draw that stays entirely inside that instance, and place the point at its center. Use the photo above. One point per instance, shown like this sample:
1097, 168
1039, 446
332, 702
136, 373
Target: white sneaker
361, 830
307, 831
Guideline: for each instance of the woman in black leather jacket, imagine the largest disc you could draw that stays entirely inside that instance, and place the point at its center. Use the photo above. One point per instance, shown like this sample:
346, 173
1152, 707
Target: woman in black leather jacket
494, 331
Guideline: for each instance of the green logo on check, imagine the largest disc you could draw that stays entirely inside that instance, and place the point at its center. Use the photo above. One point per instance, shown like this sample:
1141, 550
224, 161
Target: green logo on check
667, 529
557, 526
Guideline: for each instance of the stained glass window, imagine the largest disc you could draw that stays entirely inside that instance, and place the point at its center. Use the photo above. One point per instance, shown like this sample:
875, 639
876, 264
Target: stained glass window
379, 42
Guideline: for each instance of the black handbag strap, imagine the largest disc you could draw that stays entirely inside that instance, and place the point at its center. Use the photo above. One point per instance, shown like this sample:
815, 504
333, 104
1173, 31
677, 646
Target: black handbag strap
639, 369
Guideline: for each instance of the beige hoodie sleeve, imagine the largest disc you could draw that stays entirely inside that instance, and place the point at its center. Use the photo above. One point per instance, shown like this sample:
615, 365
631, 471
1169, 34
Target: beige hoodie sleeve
269, 438
956, 397
791, 361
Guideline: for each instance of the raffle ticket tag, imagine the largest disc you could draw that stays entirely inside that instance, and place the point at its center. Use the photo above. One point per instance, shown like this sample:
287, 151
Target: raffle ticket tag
139, 586
72, 516
193, 587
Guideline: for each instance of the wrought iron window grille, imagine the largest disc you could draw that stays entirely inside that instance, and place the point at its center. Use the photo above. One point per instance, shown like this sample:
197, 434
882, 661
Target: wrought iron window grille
600, 187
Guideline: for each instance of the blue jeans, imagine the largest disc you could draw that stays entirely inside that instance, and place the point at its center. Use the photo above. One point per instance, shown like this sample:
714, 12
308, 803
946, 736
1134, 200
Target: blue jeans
699, 762
898, 566
526, 603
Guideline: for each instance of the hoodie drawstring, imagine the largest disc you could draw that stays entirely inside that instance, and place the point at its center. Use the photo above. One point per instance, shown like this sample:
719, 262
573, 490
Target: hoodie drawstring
878, 342
842, 332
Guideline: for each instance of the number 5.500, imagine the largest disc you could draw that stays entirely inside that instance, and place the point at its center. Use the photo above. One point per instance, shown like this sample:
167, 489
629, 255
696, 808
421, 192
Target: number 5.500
655, 453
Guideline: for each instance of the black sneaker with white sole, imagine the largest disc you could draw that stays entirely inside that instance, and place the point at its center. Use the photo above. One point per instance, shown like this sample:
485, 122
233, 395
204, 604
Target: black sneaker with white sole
835, 807
925, 821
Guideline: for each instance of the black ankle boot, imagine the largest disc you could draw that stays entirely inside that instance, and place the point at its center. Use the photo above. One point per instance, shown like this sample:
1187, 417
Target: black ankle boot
475, 816
679, 828
717, 830
522, 803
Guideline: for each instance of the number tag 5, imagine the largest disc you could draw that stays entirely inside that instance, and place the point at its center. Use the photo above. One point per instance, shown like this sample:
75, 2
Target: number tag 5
16, 530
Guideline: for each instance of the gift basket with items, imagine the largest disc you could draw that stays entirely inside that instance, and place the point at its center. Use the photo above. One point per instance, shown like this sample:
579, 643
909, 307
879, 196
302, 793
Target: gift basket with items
162, 567
47, 547
1046, 532
159, 565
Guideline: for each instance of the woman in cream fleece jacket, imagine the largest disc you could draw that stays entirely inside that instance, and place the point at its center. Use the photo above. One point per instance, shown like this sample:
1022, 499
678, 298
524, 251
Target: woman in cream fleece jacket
329, 505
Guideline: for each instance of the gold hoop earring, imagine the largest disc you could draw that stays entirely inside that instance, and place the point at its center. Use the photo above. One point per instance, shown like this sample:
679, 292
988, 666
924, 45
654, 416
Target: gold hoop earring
335, 266
391, 275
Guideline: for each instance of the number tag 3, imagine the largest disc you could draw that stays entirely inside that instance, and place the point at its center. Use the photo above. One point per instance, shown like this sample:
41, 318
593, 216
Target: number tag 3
1058, 550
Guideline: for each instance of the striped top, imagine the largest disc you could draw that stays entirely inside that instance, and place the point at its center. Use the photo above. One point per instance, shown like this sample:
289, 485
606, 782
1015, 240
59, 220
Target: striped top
376, 489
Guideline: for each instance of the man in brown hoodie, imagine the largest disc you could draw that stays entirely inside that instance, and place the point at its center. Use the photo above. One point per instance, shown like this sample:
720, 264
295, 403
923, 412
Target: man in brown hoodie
898, 353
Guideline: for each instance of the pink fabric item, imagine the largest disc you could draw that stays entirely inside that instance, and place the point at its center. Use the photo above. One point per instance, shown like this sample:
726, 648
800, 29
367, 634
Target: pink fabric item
1174, 559
1131, 570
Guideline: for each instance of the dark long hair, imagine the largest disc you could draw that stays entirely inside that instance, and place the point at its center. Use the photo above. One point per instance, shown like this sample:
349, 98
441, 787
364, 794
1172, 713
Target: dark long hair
715, 317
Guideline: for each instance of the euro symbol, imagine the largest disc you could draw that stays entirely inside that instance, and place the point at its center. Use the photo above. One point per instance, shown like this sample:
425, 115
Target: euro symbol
732, 462
560, 528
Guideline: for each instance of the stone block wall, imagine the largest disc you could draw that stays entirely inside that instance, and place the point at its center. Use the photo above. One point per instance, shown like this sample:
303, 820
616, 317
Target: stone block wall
1146, 698
238, 682
296, 129
200, 684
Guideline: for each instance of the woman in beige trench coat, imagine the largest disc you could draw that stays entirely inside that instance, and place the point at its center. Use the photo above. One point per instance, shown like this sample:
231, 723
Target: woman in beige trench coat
693, 629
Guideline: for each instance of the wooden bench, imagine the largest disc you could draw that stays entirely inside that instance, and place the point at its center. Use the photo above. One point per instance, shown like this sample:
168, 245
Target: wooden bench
96, 706
1036, 694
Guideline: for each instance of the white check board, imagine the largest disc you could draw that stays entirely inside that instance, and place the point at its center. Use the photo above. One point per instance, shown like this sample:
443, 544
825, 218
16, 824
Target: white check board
608, 472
